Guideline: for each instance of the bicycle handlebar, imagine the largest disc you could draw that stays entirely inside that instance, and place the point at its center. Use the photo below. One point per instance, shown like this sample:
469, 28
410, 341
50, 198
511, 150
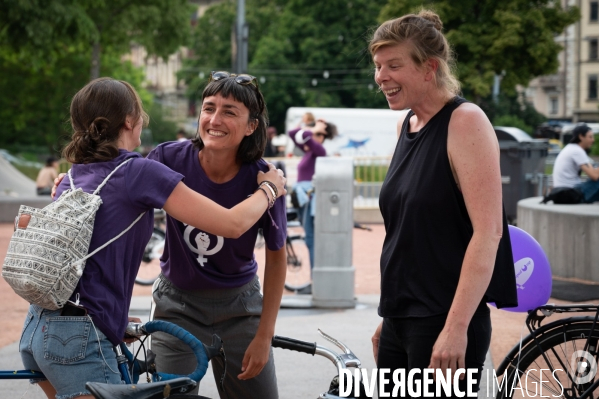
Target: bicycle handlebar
294, 345
342, 361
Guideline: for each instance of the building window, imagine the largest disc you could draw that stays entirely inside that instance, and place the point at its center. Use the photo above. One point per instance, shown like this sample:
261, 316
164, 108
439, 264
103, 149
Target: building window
592, 87
593, 46
594, 17
553, 105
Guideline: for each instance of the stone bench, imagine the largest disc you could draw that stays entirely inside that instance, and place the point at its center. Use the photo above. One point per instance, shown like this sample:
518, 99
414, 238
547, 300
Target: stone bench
569, 234
9, 206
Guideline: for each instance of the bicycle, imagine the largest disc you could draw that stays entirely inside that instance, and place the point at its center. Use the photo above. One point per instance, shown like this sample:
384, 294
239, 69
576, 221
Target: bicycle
343, 362
149, 269
131, 368
567, 349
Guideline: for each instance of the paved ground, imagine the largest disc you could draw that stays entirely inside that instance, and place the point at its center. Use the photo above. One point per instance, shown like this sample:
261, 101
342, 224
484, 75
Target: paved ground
299, 376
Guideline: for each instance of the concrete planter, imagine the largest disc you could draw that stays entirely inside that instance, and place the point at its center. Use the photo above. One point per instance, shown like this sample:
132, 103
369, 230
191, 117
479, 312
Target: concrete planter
569, 234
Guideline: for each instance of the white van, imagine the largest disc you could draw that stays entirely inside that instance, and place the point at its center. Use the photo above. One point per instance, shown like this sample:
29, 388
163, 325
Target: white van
362, 131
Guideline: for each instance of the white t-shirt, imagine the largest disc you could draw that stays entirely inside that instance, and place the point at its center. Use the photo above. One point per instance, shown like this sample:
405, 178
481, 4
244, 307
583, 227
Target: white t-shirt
567, 166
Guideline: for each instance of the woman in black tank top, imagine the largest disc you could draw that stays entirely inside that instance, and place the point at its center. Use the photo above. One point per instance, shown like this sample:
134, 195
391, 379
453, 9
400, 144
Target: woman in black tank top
447, 250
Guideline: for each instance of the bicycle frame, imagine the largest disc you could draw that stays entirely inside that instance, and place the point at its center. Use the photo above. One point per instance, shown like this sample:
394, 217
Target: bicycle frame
534, 324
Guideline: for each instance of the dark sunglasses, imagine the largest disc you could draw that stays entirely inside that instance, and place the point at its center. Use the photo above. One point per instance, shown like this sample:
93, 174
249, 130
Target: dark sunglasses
320, 135
242, 79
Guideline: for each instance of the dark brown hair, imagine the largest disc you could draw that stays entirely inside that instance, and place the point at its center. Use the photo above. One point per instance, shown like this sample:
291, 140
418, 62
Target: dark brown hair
331, 130
251, 147
423, 32
98, 112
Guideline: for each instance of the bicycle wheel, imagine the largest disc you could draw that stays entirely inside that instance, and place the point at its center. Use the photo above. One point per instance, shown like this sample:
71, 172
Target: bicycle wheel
554, 364
150, 264
298, 263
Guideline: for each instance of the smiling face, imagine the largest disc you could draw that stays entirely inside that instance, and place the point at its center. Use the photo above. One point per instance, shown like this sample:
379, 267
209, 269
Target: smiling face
224, 122
400, 79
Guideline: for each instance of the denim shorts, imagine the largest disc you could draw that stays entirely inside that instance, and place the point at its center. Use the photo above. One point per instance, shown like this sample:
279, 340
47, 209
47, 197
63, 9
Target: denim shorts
69, 350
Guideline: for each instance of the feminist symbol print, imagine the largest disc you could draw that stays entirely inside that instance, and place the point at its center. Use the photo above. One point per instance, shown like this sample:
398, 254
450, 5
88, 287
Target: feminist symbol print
202, 243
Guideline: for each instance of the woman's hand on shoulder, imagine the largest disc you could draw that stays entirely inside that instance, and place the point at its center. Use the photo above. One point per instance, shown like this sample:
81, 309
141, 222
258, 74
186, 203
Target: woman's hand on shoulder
57, 183
275, 176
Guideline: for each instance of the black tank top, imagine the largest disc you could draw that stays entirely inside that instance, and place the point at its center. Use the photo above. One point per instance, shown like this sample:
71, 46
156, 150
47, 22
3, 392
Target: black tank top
428, 228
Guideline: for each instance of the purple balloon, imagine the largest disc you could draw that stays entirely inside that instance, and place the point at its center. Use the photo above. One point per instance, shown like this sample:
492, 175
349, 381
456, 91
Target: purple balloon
533, 273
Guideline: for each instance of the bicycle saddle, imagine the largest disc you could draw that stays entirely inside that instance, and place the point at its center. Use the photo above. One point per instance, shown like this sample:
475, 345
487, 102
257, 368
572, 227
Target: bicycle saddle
154, 390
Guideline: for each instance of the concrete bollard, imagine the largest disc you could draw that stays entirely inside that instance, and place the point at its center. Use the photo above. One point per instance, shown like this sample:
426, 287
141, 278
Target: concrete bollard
333, 274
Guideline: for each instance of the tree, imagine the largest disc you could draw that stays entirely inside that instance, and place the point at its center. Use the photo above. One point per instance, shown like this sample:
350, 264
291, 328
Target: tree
303, 53
43, 29
492, 36
34, 104
46, 56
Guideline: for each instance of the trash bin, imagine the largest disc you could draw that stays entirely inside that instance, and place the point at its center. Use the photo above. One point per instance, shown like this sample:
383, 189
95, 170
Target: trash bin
522, 163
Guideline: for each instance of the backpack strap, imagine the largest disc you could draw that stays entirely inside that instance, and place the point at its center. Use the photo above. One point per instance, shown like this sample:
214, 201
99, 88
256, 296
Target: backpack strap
108, 243
71, 179
109, 176
101, 184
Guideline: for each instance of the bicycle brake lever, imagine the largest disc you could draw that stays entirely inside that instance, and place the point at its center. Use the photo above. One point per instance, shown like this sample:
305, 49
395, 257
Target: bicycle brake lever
339, 344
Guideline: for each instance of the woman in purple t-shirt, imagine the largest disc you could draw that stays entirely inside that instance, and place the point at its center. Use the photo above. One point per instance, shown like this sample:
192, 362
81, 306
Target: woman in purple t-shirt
310, 142
107, 119
209, 283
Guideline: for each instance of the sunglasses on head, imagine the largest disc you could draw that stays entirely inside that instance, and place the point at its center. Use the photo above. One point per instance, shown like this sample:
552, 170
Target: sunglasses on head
242, 79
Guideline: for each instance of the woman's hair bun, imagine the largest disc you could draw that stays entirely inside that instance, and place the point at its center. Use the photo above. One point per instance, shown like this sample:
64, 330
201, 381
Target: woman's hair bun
432, 17
99, 126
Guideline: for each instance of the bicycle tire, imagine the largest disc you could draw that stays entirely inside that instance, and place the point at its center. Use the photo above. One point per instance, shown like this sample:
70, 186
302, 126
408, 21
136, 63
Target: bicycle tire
149, 270
298, 275
551, 349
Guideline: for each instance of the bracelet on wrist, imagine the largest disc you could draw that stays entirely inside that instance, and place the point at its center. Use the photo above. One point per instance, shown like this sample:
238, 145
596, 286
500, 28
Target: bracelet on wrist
274, 195
272, 186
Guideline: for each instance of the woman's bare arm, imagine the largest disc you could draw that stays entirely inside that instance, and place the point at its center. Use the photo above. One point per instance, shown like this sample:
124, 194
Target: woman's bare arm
474, 157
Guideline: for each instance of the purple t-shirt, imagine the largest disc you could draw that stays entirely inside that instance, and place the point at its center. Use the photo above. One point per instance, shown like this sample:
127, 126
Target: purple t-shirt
194, 259
306, 166
106, 286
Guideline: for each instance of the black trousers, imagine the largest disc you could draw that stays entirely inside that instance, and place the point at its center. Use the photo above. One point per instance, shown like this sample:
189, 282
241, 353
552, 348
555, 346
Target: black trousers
407, 343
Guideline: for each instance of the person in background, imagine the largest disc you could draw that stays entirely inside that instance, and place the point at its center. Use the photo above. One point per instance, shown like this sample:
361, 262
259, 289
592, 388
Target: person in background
270, 150
181, 135
107, 119
309, 141
46, 176
308, 120
572, 160
447, 251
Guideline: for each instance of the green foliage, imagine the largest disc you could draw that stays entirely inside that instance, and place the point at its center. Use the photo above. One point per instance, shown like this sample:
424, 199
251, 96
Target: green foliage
46, 54
595, 148
491, 36
162, 130
510, 110
291, 45
370, 173
513, 121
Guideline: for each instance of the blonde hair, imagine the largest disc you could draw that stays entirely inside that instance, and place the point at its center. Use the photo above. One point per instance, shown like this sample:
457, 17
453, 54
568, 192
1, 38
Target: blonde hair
424, 33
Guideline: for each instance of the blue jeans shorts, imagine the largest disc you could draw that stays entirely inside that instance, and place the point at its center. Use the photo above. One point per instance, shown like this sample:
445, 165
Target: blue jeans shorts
69, 350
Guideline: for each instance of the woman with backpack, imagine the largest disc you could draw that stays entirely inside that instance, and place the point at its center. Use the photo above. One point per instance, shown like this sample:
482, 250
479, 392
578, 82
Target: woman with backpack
107, 118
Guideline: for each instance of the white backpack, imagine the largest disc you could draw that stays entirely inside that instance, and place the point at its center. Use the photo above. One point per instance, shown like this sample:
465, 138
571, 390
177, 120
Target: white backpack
47, 252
